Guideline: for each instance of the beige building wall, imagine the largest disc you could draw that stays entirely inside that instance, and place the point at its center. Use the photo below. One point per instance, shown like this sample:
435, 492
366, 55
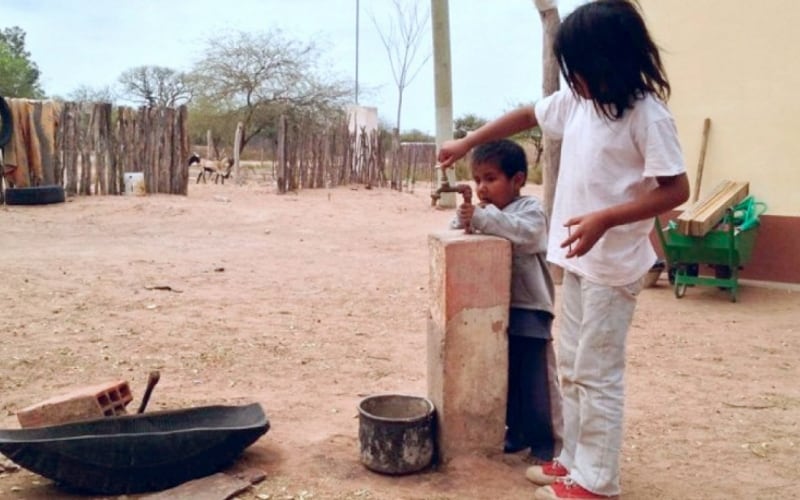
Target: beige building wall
737, 63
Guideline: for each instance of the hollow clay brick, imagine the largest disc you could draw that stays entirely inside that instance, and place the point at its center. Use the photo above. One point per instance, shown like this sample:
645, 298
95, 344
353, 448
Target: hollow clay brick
85, 403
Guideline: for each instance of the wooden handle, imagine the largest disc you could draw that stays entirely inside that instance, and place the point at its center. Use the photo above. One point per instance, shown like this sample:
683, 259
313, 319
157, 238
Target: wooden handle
152, 380
701, 162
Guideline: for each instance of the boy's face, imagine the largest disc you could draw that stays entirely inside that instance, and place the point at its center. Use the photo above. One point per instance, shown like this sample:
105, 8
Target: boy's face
493, 186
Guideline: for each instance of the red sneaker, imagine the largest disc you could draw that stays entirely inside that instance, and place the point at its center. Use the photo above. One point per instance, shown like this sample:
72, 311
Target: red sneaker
566, 488
547, 473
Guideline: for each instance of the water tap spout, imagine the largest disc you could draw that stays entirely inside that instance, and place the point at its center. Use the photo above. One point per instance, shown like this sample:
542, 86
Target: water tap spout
464, 189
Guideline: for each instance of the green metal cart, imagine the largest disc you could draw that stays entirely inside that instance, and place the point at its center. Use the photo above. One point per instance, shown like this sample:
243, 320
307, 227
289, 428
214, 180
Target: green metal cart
726, 249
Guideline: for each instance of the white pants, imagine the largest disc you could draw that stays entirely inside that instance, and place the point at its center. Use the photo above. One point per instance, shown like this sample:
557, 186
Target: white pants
591, 358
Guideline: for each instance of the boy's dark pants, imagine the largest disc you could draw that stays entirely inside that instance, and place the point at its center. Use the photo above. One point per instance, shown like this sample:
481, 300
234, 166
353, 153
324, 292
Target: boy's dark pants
528, 416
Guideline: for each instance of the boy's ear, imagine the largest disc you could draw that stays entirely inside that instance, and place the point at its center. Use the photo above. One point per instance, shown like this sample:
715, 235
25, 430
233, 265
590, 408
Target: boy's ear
518, 180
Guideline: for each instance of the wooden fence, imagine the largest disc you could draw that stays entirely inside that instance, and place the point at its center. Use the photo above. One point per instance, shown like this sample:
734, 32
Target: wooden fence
87, 147
310, 156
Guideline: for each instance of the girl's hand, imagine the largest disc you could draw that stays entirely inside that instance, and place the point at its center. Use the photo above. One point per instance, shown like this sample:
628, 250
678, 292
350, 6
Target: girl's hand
584, 231
464, 213
452, 151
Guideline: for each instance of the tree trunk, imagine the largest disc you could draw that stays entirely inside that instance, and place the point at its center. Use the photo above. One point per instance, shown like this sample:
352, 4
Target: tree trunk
550, 83
552, 148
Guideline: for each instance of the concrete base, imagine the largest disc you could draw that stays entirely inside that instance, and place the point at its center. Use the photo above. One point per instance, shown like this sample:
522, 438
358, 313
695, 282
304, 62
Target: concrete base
470, 282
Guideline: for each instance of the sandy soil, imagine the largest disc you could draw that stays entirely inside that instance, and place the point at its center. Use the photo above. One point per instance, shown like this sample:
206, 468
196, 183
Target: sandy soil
307, 303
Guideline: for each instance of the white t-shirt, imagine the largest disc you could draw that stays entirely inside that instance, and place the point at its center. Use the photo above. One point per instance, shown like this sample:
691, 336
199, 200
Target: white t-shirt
605, 163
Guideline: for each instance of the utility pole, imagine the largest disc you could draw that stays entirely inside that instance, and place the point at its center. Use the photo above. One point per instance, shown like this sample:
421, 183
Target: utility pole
440, 23
358, 10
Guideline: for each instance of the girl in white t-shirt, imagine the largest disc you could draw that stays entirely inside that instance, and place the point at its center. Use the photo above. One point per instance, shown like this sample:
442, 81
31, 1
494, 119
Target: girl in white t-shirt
621, 165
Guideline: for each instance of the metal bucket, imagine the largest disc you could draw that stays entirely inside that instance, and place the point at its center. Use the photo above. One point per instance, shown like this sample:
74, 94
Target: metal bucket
134, 183
396, 433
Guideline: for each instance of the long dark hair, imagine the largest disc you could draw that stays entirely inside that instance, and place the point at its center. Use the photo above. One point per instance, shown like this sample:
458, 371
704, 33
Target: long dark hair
605, 43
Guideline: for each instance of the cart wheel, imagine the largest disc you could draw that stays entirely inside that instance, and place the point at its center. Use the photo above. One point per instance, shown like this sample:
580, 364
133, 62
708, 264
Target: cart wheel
722, 272
680, 290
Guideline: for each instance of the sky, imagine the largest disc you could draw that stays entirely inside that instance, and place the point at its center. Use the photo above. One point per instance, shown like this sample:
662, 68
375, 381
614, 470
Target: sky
495, 45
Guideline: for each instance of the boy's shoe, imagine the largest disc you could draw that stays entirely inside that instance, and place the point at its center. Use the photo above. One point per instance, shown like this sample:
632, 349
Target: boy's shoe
513, 447
566, 488
547, 473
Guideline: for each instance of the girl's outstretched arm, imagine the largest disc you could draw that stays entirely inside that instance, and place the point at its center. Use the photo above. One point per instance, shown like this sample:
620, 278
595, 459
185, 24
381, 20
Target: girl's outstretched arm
508, 124
586, 229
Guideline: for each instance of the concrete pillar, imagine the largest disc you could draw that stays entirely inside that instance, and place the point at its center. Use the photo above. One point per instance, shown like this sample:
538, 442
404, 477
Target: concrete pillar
470, 286
443, 88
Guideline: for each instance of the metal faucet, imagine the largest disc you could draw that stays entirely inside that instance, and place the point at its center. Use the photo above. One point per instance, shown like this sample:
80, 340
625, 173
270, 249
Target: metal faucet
464, 189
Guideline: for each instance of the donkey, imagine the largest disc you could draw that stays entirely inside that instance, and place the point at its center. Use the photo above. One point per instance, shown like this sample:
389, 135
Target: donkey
219, 169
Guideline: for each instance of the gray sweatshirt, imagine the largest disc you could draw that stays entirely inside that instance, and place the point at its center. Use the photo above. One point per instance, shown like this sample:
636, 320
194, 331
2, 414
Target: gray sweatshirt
524, 224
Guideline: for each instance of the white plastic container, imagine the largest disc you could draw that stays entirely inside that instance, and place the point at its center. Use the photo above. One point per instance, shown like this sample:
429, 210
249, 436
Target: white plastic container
134, 184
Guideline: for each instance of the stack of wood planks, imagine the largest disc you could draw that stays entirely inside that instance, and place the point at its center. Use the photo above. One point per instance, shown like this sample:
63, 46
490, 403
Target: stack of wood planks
701, 217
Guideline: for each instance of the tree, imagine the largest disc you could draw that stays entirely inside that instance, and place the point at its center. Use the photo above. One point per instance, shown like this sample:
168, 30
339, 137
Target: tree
467, 123
415, 135
19, 76
86, 93
548, 12
402, 41
254, 78
155, 86
551, 21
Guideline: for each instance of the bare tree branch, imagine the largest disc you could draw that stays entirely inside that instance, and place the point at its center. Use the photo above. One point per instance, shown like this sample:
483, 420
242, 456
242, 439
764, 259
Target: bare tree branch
255, 77
402, 41
155, 86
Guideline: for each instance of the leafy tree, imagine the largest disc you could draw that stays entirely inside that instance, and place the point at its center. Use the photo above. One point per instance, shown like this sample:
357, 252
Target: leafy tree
253, 78
206, 114
155, 86
467, 123
415, 135
19, 75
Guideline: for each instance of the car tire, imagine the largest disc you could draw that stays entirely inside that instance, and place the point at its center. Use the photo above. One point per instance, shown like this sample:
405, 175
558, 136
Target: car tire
6, 123
35, 195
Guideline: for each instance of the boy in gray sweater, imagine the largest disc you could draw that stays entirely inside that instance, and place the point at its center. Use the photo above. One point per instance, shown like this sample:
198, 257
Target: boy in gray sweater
533, 414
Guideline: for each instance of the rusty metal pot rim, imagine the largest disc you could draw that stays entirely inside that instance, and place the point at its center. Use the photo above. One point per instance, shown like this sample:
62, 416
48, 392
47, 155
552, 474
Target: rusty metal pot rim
428, 413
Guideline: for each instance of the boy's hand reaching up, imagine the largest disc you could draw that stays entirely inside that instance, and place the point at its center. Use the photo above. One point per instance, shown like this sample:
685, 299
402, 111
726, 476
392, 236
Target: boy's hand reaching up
464, 212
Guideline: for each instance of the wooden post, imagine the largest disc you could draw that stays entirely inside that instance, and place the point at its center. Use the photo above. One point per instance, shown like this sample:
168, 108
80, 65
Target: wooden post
282, 154
237, 146
182, 150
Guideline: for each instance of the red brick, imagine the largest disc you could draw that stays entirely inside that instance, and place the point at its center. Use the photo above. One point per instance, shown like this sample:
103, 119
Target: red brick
85, 403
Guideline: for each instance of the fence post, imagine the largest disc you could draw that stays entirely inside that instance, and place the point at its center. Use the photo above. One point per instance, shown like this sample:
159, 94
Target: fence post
237, 146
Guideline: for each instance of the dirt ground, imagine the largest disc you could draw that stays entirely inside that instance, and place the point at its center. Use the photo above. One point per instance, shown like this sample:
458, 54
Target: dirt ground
308, 302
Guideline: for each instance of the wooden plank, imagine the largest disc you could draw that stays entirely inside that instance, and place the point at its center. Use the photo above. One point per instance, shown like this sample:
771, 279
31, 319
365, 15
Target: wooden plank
703, 223
684, 219
219, 486
705, 214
